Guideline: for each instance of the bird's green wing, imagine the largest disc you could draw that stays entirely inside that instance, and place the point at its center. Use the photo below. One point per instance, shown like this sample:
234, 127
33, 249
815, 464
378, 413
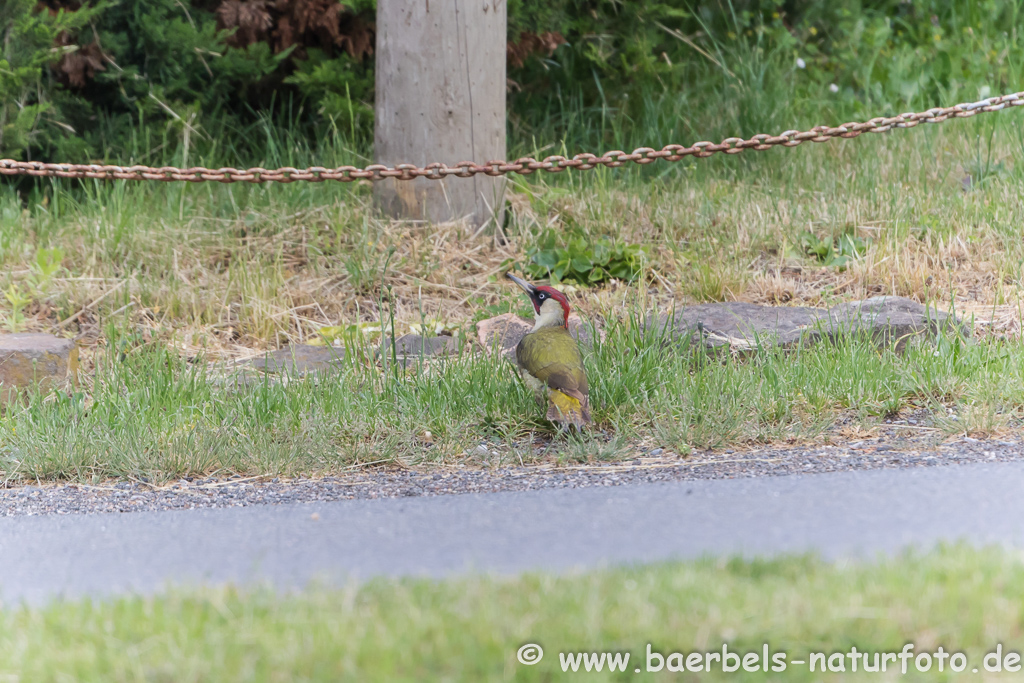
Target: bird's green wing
551, 355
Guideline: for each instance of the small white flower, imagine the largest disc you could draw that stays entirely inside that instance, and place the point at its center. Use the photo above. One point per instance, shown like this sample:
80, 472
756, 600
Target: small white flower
800, 64
984, 92
833, 88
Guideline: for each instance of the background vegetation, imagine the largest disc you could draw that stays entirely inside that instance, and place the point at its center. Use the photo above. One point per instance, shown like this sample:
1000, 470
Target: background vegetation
158, 81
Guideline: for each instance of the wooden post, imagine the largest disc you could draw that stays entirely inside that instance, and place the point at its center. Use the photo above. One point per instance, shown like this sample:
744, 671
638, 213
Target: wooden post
440, 70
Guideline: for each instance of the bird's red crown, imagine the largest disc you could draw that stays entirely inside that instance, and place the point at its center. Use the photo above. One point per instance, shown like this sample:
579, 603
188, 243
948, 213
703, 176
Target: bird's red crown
546, 291
539, 295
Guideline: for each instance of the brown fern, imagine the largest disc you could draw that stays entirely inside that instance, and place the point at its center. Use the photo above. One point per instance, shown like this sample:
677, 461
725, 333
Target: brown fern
298, 24
252, 21
530, 44
75, 68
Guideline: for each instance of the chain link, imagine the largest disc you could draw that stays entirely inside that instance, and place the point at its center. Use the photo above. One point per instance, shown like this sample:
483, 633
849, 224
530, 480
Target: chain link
522, 166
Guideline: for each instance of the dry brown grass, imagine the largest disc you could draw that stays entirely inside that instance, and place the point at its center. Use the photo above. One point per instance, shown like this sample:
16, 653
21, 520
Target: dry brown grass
277, 270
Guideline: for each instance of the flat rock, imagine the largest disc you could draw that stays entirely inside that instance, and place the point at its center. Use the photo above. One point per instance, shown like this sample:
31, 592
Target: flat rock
300, 359
410, 349
741, 326
890, 321
418, 345
503, 332
30, 359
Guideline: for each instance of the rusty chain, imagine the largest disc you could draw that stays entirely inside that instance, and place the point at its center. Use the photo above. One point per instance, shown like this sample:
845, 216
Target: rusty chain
523, 166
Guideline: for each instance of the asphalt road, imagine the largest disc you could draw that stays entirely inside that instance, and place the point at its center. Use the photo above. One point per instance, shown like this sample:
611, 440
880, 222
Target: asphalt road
853, 513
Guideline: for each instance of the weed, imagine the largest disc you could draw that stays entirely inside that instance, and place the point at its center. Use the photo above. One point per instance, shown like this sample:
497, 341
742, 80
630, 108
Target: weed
45, 266
577, 259
834, 253
15, 320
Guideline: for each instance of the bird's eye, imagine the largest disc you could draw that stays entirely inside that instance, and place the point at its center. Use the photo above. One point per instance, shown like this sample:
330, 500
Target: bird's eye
542, 296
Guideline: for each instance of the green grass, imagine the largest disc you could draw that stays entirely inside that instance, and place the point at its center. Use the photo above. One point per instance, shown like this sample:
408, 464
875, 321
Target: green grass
149, 414
471, 628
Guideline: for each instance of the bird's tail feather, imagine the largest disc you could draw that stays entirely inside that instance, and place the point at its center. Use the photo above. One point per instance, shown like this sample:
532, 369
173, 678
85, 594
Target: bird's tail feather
568, 410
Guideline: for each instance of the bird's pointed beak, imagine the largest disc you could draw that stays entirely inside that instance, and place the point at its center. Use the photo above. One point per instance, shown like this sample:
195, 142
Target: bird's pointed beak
526, 286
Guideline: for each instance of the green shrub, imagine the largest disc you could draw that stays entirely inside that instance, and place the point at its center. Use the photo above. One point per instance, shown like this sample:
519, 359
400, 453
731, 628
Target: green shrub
157, 80
28, 115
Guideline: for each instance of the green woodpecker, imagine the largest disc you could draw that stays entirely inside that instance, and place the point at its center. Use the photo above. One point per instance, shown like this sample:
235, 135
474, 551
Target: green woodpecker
549, 359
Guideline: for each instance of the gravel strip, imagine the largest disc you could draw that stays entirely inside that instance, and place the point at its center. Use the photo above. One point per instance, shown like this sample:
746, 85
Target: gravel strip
876, 453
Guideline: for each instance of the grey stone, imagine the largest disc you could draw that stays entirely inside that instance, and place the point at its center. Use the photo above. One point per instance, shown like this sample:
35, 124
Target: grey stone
891, 321
417, 345
503, 332
411, 349
300, 359
31, 359
741, 326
